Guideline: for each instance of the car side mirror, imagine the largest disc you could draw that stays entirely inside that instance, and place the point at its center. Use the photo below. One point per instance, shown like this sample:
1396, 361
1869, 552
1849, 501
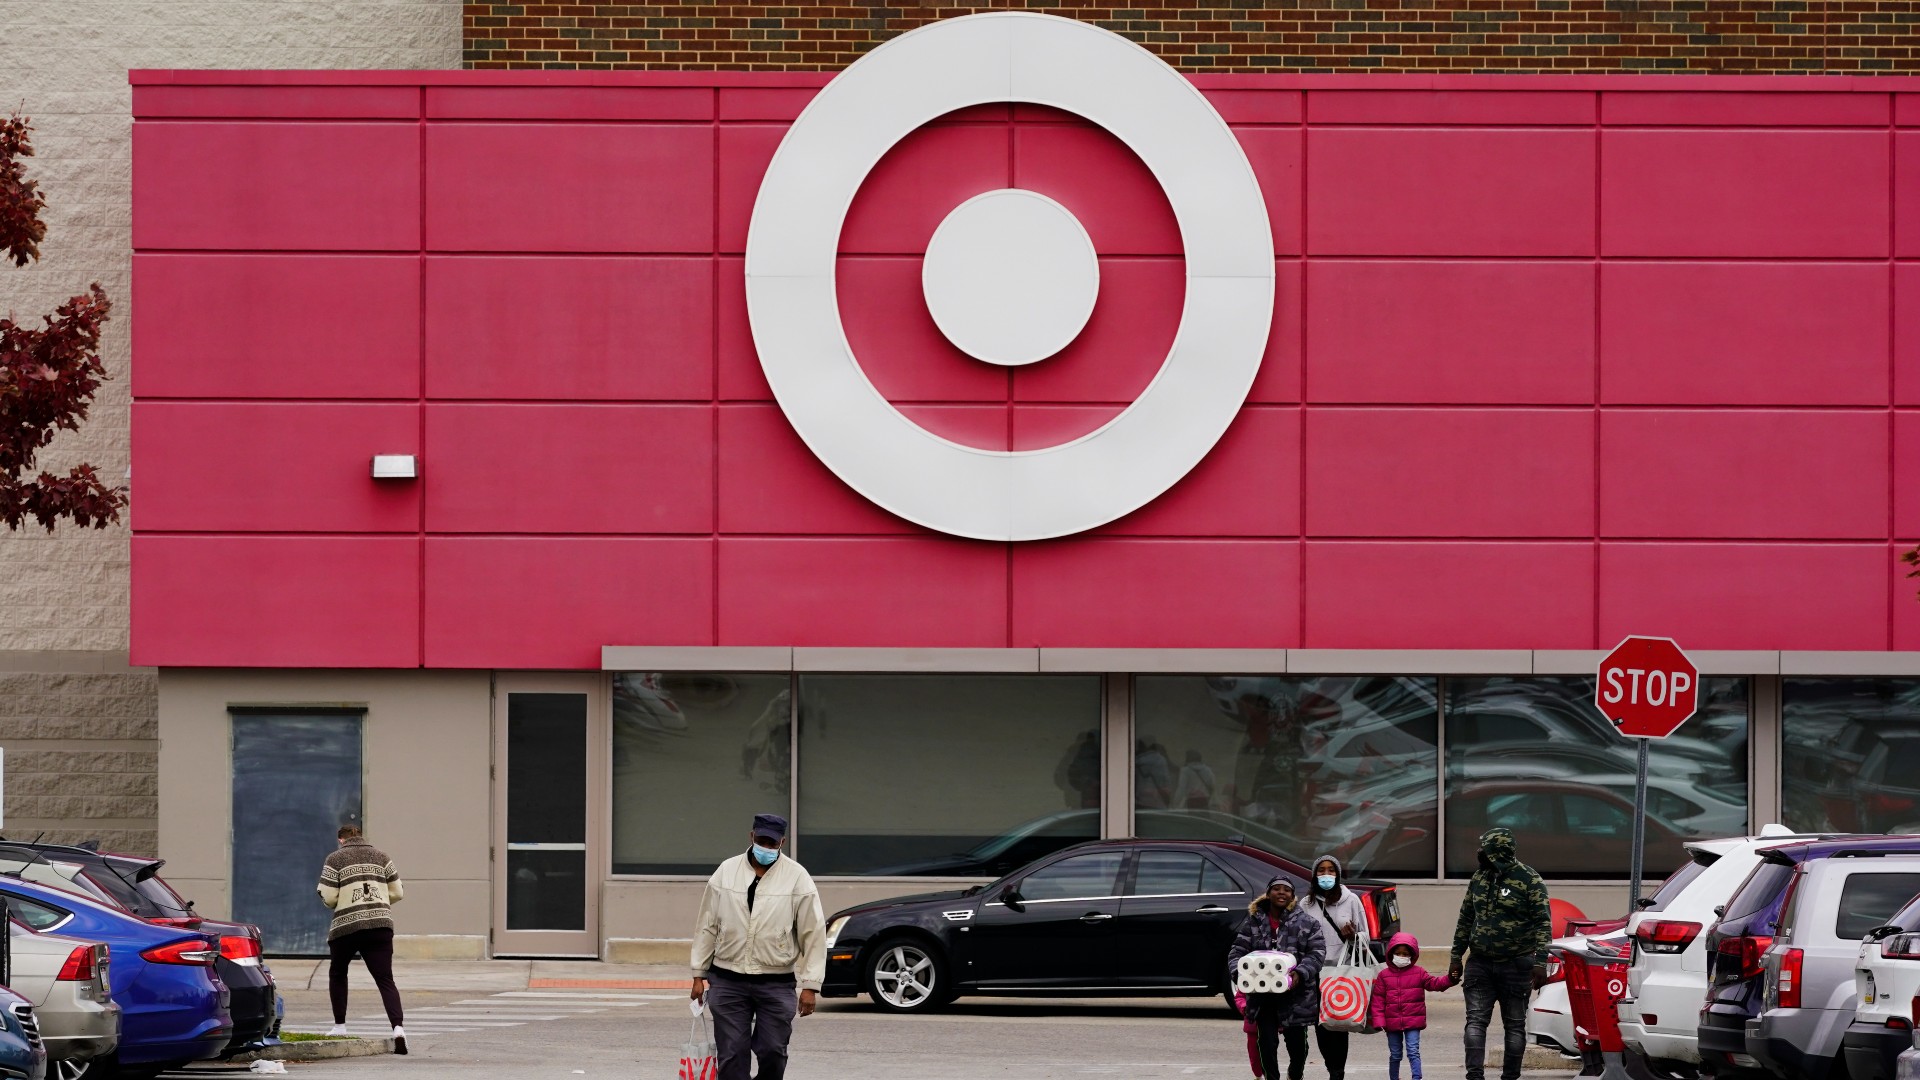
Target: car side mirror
1011, 897
1879, 932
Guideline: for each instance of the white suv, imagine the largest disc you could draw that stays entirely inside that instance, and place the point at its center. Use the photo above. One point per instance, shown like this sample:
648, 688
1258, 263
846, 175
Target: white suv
1886, 979
1667, 982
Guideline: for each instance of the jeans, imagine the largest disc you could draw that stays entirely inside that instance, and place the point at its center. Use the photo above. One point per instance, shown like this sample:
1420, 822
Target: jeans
376, 948
751, 1016
1509, 982
1403, 1044
1269, 1031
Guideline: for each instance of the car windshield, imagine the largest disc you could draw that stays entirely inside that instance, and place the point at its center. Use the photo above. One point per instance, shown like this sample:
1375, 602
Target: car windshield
157, 898
1675, 884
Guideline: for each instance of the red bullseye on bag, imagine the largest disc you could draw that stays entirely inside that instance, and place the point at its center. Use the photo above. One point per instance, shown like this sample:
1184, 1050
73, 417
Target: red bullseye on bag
1346, 988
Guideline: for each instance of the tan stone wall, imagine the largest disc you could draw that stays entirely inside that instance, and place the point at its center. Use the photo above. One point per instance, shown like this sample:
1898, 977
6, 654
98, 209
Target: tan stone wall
63, 596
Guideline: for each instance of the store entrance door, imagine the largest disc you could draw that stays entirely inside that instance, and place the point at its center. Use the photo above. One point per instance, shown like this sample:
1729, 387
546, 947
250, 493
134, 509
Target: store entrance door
548, 805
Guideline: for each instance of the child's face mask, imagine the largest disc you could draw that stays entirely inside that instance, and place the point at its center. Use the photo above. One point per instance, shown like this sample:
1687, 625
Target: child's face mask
1402, 961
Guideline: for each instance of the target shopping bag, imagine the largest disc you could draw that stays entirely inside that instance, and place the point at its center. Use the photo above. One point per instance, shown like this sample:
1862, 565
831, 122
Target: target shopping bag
1346, 988
699, 1060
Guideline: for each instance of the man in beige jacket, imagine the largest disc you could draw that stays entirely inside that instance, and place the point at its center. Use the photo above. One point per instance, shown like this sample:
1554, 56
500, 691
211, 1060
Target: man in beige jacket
760, 936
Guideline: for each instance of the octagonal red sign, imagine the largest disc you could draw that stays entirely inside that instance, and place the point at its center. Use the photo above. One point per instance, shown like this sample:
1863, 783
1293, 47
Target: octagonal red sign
1647, 687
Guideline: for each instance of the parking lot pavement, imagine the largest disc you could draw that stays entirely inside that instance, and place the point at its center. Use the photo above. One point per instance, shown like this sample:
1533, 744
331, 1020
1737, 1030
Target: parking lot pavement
637, 1032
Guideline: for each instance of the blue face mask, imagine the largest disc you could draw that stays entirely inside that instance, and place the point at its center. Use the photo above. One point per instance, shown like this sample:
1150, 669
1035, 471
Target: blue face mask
1325, 881
764, 855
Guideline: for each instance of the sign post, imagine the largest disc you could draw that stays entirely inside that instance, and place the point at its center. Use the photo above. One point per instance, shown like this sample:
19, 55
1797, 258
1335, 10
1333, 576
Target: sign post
1648, 688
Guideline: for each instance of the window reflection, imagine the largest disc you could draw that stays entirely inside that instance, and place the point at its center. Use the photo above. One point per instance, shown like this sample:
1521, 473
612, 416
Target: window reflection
694, 758
1851, 754
961, 775
1533, 755
1299, 765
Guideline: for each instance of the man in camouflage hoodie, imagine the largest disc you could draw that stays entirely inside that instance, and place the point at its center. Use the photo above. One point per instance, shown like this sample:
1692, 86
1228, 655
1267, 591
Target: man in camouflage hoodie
1503, 933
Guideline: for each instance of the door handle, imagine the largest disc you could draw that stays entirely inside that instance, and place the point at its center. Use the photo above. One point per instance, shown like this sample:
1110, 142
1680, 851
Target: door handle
1210, 909
1095, 916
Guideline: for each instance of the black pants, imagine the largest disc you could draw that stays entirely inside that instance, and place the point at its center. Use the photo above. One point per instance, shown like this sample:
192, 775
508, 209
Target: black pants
376, 948
1510, 984
1333, 1047
1267, 1025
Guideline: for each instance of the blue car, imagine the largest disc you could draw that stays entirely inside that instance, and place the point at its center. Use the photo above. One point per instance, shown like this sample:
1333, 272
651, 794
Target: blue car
174, 1008
22, 1055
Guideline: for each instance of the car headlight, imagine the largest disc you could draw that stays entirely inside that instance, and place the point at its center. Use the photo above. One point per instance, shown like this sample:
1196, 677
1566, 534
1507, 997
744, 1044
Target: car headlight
834, 928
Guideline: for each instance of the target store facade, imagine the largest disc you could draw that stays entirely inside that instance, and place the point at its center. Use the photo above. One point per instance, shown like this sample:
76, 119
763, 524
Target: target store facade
1006, 442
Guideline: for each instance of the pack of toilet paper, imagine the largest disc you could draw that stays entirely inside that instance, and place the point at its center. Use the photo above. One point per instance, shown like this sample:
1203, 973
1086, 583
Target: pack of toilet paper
1265, 972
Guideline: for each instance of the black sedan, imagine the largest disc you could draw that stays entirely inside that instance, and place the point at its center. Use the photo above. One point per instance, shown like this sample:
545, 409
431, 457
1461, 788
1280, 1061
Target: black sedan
1110, 917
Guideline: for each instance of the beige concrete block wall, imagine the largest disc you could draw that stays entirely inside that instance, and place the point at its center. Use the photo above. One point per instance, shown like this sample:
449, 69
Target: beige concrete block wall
64, 63
427, 796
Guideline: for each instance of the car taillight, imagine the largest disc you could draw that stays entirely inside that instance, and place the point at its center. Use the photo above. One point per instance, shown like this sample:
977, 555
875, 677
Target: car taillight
1900, 947
1657, 936
79, 966
1787, 987
1744, 954
1556, 970
187, 923
239, 947
1370, 903
184, 951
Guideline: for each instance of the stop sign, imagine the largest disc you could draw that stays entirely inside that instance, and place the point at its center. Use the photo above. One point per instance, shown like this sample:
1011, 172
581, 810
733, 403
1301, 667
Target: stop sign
1647, 687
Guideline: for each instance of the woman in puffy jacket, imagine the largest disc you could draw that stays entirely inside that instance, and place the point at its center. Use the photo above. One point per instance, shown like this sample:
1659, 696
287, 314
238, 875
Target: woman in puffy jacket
1343, 922
1276, 923
1399, 1005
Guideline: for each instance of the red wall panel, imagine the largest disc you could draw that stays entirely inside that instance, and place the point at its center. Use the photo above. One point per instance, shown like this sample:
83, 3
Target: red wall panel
551, 602
1747, 596
1789, 474
908, 592
1756, 194
1474, 596
277, 186
1747, 333
569, 187
277, 326
272, 467
276, 601
636, 329
1475, 333
1150, 594
570, 468
1463, 265
1449, 472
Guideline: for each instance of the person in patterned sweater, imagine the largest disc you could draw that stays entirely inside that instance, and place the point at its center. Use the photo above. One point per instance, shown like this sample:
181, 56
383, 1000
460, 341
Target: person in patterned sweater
361, 885
1504, 929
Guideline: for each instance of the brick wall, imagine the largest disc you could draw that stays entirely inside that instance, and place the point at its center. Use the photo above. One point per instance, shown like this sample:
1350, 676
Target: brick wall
78, 724
1806, 36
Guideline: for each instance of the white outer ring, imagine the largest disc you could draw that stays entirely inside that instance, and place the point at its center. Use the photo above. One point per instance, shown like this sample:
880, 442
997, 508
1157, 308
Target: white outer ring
793, 244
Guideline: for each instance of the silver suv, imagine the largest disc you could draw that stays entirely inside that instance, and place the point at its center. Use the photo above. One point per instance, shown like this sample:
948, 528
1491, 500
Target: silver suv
1808, 974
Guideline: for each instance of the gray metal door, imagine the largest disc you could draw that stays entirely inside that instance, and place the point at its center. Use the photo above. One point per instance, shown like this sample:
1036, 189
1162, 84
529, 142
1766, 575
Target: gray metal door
296, 780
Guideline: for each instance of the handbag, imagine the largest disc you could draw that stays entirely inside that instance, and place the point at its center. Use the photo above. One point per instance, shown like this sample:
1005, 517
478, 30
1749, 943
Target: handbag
699, 1058
1346, 989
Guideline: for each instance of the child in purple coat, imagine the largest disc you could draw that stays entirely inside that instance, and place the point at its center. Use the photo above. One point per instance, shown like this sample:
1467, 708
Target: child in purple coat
1399, 1005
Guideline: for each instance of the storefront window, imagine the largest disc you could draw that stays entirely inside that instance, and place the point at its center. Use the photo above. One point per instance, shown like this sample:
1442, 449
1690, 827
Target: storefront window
1299, 765
1533, 755
694, 758
1850, 759
952, 775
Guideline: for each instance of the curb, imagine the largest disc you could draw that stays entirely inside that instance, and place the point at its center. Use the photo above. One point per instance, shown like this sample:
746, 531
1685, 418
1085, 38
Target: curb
316, 1050
1543, 1060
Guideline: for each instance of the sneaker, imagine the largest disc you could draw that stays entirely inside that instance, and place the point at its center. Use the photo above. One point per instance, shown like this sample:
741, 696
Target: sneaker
399, 1040
337, 1031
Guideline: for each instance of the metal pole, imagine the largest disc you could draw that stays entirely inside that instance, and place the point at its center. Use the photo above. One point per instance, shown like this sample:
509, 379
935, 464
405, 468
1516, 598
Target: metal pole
1639, 824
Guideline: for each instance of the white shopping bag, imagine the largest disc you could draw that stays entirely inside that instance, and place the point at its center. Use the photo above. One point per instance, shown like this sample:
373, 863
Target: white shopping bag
699, 1060
1346, 988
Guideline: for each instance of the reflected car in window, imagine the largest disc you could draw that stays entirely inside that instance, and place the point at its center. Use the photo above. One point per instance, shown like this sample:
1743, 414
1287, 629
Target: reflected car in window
1109, 917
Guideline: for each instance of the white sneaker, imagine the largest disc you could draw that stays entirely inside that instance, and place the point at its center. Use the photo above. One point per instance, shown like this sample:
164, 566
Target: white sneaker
337, 1031
399, 1040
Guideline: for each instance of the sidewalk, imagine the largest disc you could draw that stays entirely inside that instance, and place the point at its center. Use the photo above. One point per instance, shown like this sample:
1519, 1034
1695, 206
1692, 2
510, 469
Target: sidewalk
492, 975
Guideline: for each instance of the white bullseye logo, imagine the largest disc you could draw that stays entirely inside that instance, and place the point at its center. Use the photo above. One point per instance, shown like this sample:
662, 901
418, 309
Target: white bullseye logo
1010, 276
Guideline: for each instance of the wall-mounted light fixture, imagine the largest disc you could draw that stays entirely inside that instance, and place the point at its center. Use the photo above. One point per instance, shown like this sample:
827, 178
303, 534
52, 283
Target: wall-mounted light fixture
395, 467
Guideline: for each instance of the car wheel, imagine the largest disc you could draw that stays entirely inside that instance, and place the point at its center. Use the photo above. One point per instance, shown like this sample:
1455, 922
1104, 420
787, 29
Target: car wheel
71, 1070
907, 975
